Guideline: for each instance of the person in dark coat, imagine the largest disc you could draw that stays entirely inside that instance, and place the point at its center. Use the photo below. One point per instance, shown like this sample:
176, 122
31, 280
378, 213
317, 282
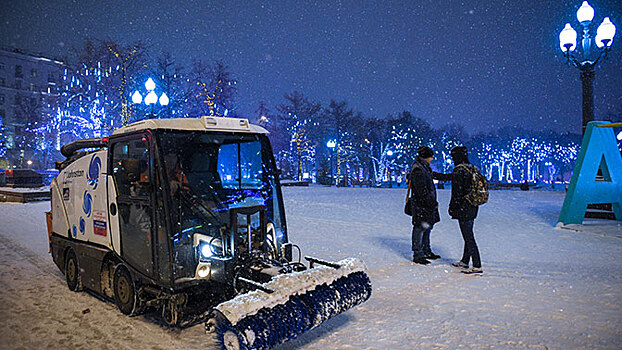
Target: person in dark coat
424, 206
461, 210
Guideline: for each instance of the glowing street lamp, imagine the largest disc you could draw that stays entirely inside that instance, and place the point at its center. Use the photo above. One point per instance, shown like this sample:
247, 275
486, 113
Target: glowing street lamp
151, 97
150, 85
331, 145
389, 154
137, 97
163, 99
588, 56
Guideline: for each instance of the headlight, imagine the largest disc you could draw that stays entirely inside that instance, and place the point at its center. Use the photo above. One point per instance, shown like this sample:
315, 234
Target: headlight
206, 246
205, 249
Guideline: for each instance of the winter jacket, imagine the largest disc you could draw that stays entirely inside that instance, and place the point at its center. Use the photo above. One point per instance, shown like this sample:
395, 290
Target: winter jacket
459, 207
423, 194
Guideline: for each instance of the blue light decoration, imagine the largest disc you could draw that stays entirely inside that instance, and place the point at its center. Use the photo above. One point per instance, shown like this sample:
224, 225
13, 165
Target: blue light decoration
598, 150
2, 140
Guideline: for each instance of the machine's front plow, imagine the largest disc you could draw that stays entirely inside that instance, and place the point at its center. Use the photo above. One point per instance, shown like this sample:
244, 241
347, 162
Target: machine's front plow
290, 305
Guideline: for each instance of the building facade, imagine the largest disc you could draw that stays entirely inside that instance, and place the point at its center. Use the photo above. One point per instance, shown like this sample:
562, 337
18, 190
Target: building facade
28, 84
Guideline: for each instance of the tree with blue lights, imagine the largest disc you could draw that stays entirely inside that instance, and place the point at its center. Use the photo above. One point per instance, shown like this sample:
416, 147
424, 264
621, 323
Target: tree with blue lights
97, 87
45, 135
337, 122
408, 133
445, 139
298, 116
375, 143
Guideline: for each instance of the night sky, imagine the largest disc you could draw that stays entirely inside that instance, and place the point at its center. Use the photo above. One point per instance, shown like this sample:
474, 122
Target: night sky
481, 64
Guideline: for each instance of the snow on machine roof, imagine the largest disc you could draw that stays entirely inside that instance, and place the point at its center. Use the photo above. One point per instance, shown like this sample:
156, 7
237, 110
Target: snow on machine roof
202, 123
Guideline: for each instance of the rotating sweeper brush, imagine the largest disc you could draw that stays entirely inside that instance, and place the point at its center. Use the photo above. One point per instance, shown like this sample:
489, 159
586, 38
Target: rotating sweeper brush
186, 216
289, 305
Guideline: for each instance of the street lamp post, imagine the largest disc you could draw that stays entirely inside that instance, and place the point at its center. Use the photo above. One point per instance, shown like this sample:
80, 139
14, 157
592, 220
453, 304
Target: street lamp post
151, 98
587, 57
331, 145
389, 170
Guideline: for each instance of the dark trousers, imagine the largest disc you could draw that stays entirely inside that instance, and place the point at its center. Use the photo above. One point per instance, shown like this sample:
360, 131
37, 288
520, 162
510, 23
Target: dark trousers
421, 240
470, 246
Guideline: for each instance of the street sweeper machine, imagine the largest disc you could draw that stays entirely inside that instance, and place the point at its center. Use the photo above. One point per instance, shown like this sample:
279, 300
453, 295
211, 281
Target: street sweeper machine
185, 216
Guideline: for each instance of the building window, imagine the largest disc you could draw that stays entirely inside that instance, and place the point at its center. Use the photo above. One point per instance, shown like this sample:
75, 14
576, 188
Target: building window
1, 66
33, 73
18, 71
17, 101
1, 99
51, 78
2, 81
32, 87
18, 84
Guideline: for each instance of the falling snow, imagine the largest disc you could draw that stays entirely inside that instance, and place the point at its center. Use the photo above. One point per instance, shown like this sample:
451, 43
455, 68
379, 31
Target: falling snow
484, 65
542, 287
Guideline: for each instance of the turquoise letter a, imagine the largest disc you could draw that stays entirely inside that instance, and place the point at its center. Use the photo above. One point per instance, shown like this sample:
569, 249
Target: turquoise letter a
598, 149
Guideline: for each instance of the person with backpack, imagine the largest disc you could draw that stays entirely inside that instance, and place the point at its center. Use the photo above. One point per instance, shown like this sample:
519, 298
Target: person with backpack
469, 190
421, 204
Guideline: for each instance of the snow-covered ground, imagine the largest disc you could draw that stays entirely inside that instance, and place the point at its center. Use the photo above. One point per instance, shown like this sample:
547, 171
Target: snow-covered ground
542, 288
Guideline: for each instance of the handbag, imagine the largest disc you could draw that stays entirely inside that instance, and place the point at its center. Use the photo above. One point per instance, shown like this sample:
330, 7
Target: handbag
408, 210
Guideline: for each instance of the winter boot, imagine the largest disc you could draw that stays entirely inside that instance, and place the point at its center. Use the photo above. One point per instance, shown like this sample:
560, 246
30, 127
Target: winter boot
420, 260
472, 270
460, 264
432, 256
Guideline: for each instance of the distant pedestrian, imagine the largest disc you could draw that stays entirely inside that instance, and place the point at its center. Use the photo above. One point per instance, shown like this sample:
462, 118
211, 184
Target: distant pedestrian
461, 206
423, 204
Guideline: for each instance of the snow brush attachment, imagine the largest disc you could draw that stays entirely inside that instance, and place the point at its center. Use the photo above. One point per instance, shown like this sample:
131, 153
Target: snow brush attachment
290, 305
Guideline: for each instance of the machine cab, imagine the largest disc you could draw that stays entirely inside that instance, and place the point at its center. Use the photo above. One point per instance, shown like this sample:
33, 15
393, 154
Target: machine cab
185, 203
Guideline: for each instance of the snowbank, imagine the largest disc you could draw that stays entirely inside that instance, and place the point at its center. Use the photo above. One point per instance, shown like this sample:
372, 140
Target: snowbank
542, 288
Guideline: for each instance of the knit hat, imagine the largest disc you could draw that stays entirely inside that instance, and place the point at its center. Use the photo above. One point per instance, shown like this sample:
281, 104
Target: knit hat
425, 152
459, 154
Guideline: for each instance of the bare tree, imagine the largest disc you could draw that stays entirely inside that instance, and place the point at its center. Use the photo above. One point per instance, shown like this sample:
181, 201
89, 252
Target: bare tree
297, 116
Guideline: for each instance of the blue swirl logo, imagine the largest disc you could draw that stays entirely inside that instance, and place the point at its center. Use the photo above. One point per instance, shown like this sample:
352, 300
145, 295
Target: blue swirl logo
94, 169
87, 204
74, 231
82, 225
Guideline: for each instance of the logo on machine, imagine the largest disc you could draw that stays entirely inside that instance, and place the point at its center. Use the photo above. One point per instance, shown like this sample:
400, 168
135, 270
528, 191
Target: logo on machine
75, 173
87, 204
94, 168
82, 225
66, 193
